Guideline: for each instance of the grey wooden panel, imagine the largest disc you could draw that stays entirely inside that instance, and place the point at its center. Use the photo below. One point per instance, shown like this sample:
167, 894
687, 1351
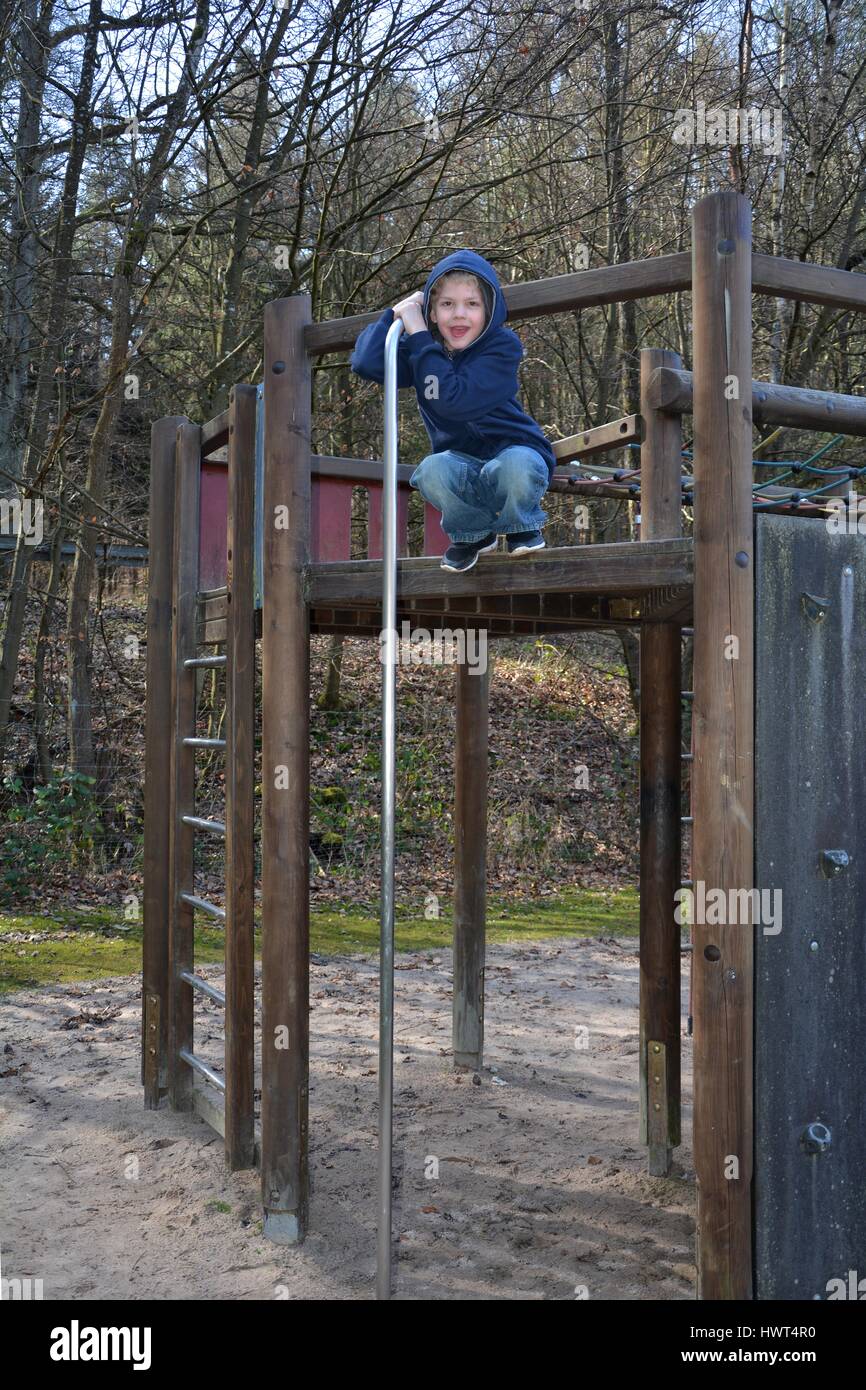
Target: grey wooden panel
810, 986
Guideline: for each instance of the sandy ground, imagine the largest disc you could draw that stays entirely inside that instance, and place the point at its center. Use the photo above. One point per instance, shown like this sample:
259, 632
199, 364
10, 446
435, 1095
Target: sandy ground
541, 1192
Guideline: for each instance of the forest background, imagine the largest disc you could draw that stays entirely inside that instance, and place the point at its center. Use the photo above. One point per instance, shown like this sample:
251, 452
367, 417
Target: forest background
168, 168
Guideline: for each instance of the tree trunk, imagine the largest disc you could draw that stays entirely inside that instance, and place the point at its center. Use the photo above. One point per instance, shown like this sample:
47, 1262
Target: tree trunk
330, 698
782, 318
33, 468
82, 757
32, 51
142, 216
631, 655
40, 722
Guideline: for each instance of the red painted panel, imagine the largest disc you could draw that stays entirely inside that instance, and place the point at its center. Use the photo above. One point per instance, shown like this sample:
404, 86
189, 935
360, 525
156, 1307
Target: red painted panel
331, 519
213, 519
436, 542
374, 520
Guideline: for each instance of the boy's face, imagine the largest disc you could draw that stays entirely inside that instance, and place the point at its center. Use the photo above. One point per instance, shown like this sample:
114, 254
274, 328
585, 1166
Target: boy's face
458, 311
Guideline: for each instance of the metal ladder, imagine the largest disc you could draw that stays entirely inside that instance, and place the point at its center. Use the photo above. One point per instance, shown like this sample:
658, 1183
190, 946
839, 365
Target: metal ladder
687, 759
234, 1120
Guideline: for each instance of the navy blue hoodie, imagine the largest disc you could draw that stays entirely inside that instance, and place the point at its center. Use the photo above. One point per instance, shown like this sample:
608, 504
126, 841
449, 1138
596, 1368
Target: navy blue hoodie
477, 411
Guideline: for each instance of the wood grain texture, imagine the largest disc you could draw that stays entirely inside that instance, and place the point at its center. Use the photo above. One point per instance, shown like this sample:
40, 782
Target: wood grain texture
470, 861
813, 284
723, 721
240, 781
559, 293
622, 568
774, 275
157, 758
182, 802
285, 773
660, 795
672, 390
503, 614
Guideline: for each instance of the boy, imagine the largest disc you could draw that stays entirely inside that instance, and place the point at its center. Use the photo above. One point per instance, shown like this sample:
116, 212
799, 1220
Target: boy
491, 463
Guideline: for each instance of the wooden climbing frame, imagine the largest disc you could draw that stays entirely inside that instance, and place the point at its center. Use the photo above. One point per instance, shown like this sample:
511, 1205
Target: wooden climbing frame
201, 597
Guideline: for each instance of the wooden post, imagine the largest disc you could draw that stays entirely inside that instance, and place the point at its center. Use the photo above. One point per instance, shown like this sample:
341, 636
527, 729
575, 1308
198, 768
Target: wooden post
285, 772
660, 802
240, 781
157, 760
723, 768
182, 800
470, 859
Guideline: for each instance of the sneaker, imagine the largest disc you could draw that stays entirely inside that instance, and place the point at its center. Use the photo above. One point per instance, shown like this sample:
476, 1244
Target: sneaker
523, 541
462, 554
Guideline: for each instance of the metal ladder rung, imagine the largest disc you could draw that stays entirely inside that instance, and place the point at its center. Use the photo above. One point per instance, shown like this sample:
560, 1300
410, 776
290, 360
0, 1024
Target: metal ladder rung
213, 827
687, 820
198, 661
203, 1069
204, 743
203, 987
202, 905
687, 757
687, 883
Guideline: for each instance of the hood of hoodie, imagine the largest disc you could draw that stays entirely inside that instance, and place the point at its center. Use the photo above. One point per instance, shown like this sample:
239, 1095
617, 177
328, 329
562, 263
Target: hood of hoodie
476, 265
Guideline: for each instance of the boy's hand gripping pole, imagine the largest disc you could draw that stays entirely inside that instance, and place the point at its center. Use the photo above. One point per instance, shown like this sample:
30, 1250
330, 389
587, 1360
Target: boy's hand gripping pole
389, 652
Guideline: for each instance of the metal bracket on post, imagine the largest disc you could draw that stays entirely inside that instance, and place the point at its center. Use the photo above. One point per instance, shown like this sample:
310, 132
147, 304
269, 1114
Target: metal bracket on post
657, 1122
151, 1051
386, 927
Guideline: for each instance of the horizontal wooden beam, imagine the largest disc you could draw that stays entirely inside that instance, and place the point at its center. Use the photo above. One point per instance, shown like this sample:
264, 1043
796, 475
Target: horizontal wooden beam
619, 570
329, 466
610, 284
671, 390
481, 609
815, 284
501, 605
601, 439
598, 440
475, 609
615, 434
366, 623
359, 470
590, 487
614, 284
497, 628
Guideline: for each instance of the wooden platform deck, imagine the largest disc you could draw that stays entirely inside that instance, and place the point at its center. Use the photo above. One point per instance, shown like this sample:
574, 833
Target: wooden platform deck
621, 585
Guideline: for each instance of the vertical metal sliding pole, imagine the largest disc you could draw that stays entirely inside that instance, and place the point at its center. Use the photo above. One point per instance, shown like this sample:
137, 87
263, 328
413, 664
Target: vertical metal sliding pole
388, 652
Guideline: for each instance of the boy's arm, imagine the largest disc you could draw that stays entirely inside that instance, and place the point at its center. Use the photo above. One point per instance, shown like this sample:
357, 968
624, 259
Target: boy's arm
490, 381
368, 357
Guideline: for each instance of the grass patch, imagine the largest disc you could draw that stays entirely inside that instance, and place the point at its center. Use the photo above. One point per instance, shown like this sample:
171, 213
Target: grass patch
571, 913
75, 945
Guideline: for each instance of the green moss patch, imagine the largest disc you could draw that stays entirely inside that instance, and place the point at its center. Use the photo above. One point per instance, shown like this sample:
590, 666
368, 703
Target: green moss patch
73, 944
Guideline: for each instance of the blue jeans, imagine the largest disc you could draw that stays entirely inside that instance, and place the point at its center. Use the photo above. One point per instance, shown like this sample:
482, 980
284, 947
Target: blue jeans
477, 498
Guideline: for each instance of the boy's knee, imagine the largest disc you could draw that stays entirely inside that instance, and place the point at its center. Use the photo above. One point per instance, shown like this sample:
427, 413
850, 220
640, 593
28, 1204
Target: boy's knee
422, 472
516, 473
433, 471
